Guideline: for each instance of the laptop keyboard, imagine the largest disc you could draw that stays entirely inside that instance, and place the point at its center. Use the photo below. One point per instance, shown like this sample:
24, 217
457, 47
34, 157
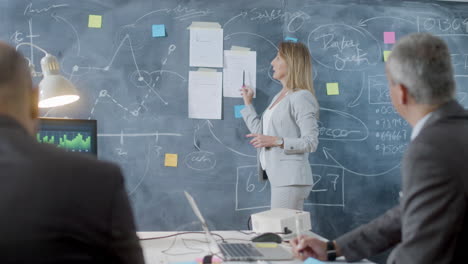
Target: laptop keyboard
239, 251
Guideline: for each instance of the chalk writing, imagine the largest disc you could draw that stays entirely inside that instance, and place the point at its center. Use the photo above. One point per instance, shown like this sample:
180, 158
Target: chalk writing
335, 132
379, 92
391, 149
328, 186
443, 25
268, 15
395, 135
250, 193
343, 47
390, 123
386, 110
30, 10
17, 37
200, 161
350, 128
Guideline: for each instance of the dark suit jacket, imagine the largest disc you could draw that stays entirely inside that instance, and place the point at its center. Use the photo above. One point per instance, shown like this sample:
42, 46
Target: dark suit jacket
59, 207
431, 223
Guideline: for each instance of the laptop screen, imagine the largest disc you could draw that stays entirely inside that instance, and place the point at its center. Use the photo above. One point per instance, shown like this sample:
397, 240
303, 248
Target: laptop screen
197, 212
235, 251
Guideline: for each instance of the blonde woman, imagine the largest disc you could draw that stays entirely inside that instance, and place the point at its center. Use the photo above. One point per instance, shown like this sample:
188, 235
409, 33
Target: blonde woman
287, 131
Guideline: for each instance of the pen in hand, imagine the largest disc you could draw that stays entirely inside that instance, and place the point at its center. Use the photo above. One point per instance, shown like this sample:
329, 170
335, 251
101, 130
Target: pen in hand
298, 235
243, 78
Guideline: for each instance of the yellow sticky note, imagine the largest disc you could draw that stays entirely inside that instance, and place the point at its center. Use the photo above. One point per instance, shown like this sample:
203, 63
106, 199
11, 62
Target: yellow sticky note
386, 53
170, 160
333, 89
95, 21
266, 245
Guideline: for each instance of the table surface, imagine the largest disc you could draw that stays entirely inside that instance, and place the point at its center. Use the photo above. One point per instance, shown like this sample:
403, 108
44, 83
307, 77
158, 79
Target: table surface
183, 247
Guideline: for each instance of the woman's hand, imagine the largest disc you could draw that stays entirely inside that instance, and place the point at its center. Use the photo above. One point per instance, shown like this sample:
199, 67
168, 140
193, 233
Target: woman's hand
262, 141
247, 93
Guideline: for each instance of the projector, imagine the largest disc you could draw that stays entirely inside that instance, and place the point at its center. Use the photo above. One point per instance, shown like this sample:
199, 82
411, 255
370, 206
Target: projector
279, 220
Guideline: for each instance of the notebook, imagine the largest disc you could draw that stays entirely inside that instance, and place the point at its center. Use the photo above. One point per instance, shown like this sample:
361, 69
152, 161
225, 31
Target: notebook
241, 251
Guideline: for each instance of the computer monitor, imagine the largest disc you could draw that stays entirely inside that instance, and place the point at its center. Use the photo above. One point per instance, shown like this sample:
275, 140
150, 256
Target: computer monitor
73, 135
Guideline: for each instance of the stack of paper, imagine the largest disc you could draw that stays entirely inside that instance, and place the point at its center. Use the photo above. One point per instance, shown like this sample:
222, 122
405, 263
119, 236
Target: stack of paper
205, 94
238, 62
206, 45
206, 85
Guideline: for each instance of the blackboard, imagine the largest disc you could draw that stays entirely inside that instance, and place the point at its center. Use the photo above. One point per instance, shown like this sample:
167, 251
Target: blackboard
362, 138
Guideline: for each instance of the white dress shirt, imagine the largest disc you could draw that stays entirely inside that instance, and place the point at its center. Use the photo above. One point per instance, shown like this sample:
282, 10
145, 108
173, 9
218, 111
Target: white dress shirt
266, 122
416, 130
419, 125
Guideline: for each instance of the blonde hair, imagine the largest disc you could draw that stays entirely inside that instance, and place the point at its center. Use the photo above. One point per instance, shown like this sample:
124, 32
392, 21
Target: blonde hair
297, 57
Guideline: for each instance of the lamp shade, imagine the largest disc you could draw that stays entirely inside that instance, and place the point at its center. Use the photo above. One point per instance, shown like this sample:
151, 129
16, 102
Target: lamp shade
54, 89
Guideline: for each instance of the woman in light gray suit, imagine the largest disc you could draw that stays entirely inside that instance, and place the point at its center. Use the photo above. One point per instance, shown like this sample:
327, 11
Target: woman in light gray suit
287, 131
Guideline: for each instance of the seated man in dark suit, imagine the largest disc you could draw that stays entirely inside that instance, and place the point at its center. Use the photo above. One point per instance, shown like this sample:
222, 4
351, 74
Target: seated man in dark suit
431, 223
55, 207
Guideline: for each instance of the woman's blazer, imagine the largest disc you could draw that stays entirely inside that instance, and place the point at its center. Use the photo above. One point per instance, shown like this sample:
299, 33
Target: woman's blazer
295, 120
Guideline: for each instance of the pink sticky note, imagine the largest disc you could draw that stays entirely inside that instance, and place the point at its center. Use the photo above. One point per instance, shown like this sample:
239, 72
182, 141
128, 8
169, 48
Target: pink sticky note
214, 260
389, 37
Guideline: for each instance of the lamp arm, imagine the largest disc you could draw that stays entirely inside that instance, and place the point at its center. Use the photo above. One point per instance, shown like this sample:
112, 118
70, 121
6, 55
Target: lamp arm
31, 66
32, 45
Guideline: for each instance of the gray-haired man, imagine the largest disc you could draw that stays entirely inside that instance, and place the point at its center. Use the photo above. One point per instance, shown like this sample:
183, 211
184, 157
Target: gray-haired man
430, 224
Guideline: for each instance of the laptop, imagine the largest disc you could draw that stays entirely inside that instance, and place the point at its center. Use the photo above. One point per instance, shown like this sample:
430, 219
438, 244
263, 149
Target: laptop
241, 251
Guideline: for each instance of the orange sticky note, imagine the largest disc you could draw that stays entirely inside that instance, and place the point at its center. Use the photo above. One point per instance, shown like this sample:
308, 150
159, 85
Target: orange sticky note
386, 53
95, 21
170, 160
333, 89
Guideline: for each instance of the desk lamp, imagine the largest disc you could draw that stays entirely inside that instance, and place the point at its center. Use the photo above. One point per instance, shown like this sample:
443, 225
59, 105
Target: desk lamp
54, 89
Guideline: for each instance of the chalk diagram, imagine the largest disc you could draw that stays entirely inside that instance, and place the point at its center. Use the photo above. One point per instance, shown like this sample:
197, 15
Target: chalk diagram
343, 48
77, 64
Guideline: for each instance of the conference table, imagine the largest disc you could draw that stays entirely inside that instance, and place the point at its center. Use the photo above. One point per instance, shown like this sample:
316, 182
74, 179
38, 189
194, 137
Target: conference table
190, 247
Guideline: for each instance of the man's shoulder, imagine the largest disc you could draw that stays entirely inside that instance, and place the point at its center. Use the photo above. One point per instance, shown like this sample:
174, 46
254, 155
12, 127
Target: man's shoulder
74, 163
448, 119
446, 130
439, 140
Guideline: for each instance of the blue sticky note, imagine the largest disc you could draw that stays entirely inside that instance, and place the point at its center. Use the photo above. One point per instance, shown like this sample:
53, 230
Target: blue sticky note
290, 39
313, 261
159, 31
237, 110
